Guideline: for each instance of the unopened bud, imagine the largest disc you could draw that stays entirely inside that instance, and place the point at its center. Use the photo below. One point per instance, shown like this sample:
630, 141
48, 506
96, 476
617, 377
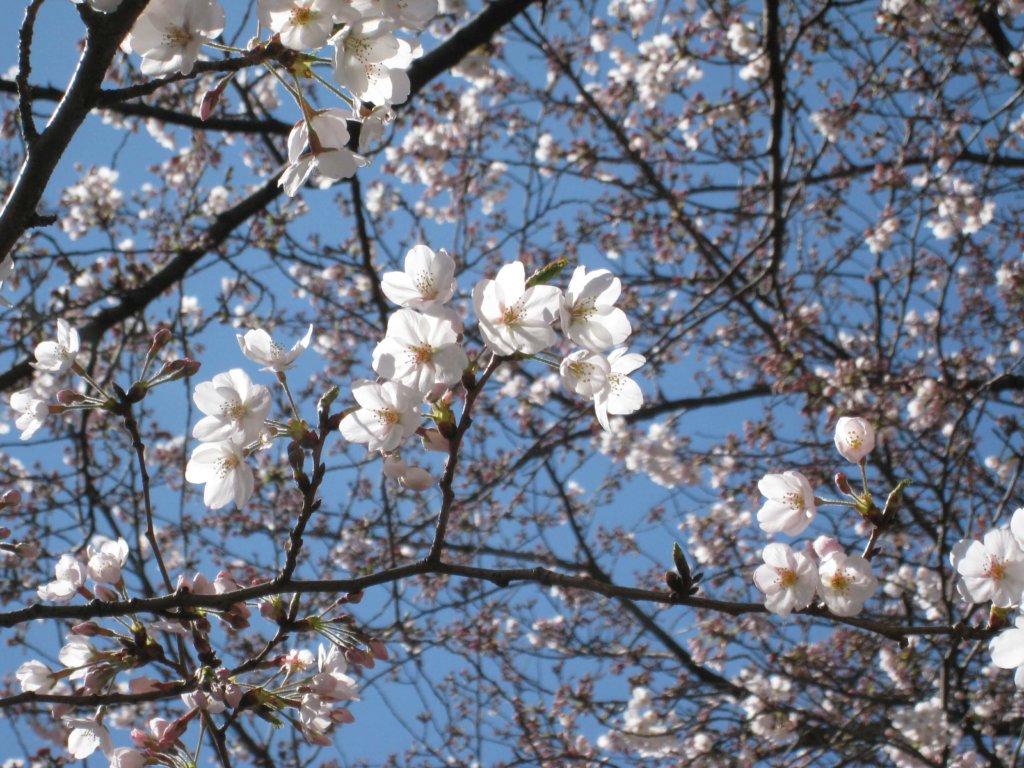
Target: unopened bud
11, 498
843, 483
106, 594
86, 629
434, 441
547, 273
70, 397
160, 339
4, 532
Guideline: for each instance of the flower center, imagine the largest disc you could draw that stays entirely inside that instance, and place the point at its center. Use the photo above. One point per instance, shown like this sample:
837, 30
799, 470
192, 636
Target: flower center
224, 465
424, 282
422, 354
854, 440
795, 500
513, 315
177, 36
787, 577
301, 16
583, 311
387, 416
840, 582
996, 569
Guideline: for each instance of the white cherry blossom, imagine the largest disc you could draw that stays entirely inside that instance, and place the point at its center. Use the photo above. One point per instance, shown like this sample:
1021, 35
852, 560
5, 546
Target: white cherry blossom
327, 152
106, 559
32, 408
371, 62
70, 576
855, 438
1007, 649
58, 356
86, 737
787, 578
222, 467
234, 407
790, 506
622, 395
388, 414
845, 582
427, 282
514, 318
420, 351
35, 677
169, 34
993, 569
585, 373
258, 346
305, 24
588, 315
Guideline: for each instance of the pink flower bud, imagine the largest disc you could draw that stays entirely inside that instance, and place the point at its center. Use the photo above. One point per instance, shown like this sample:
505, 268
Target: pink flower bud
843, 483
69, 397
106, 594
434, 441
11, 498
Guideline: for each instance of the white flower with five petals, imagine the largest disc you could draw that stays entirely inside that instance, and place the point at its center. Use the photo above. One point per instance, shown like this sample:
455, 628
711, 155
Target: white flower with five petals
258, 346
427, 282
388, 414
58, 356
222, 468
514, 318
420, 351
587, 313
790, 506
622, 395
234, 408
845, 582
787, 578
169, 34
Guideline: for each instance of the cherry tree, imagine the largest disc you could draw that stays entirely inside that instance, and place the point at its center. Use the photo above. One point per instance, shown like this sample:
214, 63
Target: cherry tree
418, 382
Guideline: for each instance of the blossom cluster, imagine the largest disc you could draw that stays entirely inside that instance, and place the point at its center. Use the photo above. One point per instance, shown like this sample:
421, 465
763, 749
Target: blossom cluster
791, 579
369, 61
421, 362
992, 570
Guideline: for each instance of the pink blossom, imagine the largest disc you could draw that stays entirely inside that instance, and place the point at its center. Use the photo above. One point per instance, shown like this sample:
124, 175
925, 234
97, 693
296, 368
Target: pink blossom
787, 578
790, 506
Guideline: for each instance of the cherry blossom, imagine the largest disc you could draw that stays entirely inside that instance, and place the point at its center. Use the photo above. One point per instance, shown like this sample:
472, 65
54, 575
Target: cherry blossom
169, 34
787, 578
411, 14
513, 318
388, 414
622, 395
32, 408
855, 438
106, 559
222, 467
587, 313
845, 582
35, 677
328, 151
427, 281
1007, 649
790, 506
70, 577
86, 737
58, 356
420, 351
993, 569
234, 407
263, 350
585, 373
305, 24
371, 62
